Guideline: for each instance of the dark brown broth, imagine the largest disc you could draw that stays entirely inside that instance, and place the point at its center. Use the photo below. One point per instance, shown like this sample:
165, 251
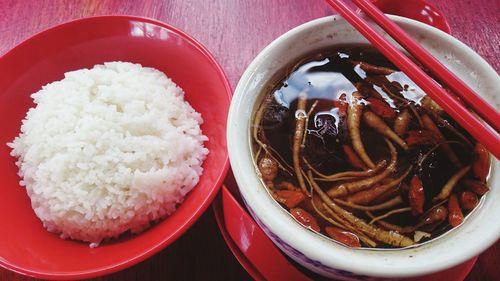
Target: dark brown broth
327, 76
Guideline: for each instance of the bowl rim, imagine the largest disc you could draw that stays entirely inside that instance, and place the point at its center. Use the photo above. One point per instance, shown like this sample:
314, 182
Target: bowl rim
193, 216
282, 229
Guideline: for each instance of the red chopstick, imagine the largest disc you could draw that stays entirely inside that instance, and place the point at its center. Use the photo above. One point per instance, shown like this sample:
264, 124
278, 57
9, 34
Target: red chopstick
489, 138
480, 106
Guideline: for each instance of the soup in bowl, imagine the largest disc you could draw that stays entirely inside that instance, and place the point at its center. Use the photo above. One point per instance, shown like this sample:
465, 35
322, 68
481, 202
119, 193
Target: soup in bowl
346, 164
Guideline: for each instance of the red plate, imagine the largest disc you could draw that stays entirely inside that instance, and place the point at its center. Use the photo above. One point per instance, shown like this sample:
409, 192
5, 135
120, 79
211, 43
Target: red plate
25, 246
418, 10
264, 261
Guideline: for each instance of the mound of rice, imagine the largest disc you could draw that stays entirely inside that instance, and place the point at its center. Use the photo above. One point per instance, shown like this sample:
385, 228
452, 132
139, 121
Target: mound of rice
108, 150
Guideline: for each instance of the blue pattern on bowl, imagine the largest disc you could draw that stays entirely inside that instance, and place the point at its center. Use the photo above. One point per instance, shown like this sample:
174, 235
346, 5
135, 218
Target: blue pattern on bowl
306, 261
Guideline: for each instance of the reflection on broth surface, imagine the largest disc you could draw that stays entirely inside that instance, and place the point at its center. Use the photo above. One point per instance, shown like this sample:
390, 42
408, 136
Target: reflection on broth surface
354, 150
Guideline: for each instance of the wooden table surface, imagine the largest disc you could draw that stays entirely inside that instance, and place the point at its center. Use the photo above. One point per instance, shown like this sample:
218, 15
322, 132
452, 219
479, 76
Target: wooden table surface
234, 31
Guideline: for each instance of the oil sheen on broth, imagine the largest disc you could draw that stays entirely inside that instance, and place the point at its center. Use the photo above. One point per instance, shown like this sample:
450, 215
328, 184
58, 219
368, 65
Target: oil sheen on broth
355, 151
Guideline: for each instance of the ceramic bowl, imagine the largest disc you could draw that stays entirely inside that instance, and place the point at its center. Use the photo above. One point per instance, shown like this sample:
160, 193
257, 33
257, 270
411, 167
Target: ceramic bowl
25, 246
316, 252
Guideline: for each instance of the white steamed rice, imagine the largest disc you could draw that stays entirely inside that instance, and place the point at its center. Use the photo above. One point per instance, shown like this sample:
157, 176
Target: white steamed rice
108, 150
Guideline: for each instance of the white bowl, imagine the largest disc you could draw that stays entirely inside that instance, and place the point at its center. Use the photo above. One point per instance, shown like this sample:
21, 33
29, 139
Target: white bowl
479, 231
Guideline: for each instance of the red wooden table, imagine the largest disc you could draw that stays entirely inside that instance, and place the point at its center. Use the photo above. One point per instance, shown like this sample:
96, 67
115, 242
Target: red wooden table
235, 31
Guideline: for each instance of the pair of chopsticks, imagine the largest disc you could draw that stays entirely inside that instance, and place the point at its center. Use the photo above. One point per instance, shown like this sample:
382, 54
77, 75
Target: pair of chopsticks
487, 135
